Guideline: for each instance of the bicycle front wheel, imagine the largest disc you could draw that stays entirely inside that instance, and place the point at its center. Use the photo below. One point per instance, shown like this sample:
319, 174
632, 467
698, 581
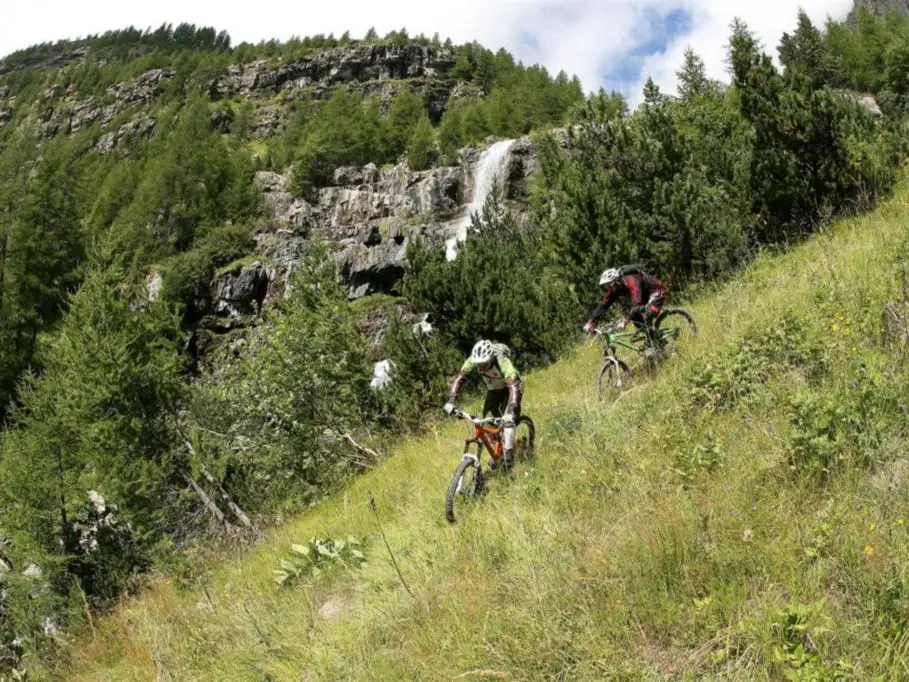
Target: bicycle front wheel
466, 483
525, 434
614, 378
675, 329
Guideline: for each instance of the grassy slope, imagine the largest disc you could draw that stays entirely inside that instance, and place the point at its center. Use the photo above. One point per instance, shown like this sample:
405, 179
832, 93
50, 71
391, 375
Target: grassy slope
599, 561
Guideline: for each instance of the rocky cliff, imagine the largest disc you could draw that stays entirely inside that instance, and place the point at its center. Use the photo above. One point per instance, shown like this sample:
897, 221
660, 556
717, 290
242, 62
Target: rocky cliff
373, 70
369, 215
880, 7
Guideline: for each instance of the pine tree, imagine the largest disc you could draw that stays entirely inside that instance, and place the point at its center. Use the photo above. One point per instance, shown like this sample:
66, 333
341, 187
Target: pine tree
98, 418
743, 51
302, 382
804, 54
518, 301
42, 248
692, 76
451, 137
652, 94
463, 68
406, 110
421, 149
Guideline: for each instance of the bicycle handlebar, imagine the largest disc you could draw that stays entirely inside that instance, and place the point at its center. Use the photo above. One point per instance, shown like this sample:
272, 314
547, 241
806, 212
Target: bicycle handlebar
607, 331
492, 421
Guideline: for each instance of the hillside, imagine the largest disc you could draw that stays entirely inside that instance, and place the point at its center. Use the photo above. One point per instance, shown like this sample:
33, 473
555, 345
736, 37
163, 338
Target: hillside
741, 516
193, 307
207, 168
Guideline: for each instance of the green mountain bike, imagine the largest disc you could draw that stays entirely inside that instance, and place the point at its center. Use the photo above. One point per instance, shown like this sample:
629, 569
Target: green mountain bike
672, 328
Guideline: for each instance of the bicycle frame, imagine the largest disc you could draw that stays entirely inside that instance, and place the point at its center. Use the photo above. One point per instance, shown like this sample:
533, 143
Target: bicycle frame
623, 339
484, 434
487, 436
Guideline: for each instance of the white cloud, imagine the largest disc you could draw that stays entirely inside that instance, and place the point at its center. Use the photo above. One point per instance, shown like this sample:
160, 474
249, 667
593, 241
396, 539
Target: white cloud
583, 37
769, 19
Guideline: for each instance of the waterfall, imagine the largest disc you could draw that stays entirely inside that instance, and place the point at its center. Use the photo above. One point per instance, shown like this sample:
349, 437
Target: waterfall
489, 167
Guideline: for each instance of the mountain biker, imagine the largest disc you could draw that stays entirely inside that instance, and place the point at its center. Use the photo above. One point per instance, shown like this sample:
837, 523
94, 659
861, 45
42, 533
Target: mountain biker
645, 293
503, 388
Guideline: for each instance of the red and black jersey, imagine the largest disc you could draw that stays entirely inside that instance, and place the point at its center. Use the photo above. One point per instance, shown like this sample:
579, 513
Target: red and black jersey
634, 289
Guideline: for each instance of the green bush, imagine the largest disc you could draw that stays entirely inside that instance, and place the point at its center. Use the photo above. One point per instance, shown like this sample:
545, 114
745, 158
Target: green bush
495, 288
187, 276
419, 374
734, 375
276, 414
842, 427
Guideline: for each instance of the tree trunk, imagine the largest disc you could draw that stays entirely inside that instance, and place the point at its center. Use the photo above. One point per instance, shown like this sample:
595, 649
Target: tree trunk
233, 506
225, 497
207, 501
373, 455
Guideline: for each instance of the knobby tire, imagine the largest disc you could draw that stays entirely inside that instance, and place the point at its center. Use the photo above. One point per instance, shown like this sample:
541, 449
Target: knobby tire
614, 377
459, 474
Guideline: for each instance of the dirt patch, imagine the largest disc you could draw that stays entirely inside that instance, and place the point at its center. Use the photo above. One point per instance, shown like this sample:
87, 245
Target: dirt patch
333, 608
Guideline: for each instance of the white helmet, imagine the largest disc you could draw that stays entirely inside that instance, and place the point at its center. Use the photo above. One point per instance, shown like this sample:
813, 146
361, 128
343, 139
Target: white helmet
609, 276
482, 352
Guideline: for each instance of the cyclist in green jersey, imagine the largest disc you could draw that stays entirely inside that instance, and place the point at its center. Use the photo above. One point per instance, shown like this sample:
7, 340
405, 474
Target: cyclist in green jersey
503, 388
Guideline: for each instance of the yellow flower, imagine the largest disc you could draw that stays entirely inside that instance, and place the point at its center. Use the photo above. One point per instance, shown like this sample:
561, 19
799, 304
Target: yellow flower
869, 550
834, 328
872, 527
900, 522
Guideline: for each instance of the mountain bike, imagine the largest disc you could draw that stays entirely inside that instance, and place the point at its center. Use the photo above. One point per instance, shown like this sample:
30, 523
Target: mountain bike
469, 480
672, 328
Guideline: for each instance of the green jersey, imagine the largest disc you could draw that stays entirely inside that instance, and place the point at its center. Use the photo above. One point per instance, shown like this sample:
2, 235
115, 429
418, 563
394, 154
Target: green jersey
501, 371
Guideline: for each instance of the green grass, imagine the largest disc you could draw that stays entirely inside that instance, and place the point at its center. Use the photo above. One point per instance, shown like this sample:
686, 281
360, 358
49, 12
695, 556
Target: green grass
741, 515
258, 148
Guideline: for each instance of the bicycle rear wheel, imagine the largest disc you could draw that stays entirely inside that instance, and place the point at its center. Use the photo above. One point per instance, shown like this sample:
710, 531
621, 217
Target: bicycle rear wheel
466, 483
614, 377
675, 329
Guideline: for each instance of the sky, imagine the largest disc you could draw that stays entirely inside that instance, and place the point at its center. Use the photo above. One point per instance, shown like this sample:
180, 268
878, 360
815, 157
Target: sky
614, 44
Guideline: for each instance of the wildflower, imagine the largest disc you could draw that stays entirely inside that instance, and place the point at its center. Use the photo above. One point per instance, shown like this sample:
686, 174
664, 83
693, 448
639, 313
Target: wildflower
869, 550
834, 328
900, 522
872, 527
748, 535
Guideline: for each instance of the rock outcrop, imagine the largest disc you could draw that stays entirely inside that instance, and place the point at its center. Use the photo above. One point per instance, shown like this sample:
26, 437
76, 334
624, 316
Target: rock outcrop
137, 128
356, 63
879, 7
74, 114
369, 217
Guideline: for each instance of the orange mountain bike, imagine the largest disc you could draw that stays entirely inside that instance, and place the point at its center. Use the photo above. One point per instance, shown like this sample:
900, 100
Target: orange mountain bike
469, 480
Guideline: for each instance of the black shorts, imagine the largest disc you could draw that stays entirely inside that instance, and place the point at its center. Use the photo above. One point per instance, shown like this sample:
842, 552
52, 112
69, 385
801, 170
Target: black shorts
497, 401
